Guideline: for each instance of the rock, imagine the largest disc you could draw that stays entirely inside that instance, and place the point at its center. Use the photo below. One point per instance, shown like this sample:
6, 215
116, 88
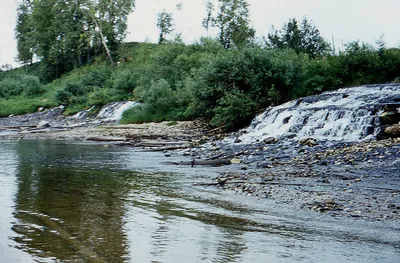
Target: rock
264, 165
43, 124
40, 109
323, 163
390, 117
269, 140
237, 140
329, 201
235, 161
325, 181
268, 178
308, 141
393, 131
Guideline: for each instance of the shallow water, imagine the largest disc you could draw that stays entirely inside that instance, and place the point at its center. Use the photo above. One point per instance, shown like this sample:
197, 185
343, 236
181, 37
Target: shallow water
79, 202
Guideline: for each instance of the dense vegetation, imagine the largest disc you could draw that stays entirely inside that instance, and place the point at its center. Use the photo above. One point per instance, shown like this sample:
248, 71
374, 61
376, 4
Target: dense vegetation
226, 80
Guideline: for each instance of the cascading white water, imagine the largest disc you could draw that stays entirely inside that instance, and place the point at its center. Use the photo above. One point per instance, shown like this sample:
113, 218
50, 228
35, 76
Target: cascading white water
114, 111
83, 114
111, 112
348, 114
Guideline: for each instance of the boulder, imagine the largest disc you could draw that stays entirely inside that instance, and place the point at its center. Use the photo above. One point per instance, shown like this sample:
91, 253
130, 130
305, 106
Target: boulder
390, 117
237, 140
43, 124
269, 140
393, 131
308, 141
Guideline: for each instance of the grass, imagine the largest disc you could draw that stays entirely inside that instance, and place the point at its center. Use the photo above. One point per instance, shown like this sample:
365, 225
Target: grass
21, 105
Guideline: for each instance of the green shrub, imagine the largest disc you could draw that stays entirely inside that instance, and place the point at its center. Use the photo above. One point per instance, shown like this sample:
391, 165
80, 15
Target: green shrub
10, 87
99, 76
159, 98
124, 80
99, 97
76, 89
63, 97
234, 110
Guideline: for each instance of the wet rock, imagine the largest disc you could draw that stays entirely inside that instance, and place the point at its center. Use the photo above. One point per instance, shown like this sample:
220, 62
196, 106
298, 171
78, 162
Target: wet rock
269, 140
308, 142
43, 124
235, 161
268, 178
327, 205
325, 181
390, 117
264, 165
237, 140
393, 131
325, 163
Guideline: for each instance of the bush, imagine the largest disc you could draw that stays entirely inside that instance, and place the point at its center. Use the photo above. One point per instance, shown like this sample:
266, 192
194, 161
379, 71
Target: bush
97, 77
124, 80
159, 98
63, 97
99, 97
10, 87
234, 110
31, 86
76, 89
254, 77
27, 84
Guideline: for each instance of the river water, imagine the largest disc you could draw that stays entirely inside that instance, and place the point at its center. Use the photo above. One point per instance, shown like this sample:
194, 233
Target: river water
80, 202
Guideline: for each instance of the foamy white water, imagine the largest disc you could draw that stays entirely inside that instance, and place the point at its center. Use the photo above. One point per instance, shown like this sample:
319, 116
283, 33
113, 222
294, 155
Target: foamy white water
114, 111
348, 114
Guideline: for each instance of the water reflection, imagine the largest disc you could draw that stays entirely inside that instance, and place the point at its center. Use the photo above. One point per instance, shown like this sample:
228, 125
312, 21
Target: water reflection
67, 212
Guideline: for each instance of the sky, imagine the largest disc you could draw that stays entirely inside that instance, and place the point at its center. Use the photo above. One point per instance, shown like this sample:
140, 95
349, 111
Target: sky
344, 20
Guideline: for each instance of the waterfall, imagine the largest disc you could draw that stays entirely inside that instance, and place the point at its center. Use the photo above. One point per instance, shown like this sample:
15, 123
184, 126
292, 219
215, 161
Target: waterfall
83, 114
114, 111
348, 114
111, 112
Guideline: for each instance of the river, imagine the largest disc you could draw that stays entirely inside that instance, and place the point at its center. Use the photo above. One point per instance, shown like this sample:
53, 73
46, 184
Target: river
85, 202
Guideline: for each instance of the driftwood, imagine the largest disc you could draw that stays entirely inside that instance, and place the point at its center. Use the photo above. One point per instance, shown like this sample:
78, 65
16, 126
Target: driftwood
194, 162
159, 144
170, 148
124, 128
17, 127
97, 139
221, 182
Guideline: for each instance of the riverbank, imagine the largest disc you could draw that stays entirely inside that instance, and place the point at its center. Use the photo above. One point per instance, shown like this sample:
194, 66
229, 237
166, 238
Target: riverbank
358, 180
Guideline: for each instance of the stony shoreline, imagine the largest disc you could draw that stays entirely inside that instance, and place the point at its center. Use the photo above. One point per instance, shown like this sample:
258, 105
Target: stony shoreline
359, 180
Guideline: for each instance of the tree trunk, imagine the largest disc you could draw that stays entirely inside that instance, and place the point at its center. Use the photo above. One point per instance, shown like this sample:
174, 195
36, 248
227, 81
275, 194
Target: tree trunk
103, 41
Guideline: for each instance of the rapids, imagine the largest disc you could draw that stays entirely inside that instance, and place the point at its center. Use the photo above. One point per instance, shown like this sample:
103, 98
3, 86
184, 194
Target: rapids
348, 114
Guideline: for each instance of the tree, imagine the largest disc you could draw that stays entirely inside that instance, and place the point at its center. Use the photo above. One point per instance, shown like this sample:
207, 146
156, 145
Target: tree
165, 25
206, 23
233, 23
66, 34
23, 33
303, 38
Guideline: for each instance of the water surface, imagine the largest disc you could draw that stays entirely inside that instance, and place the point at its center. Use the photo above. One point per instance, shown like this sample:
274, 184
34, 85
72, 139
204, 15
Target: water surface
79, 202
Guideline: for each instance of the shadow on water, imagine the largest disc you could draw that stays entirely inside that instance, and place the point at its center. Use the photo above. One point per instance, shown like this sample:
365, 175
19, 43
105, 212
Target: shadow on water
90, 203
